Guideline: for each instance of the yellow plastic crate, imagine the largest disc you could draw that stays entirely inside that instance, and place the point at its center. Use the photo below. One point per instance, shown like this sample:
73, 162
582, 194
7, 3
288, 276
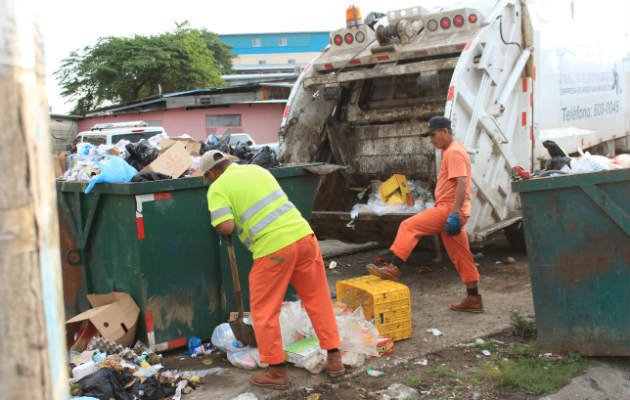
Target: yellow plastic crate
387, 302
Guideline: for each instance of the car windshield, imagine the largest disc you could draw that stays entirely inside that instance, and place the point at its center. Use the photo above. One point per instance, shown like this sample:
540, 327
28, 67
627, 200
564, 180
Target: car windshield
240, 138
95, 140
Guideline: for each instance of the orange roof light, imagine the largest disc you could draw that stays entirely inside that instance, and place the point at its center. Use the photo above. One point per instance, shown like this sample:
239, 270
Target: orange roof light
353, 17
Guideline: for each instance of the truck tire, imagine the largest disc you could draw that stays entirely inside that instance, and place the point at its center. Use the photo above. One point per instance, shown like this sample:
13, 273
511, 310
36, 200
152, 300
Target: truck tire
515, 236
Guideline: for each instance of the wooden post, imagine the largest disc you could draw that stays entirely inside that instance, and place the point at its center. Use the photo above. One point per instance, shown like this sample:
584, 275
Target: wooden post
32, 346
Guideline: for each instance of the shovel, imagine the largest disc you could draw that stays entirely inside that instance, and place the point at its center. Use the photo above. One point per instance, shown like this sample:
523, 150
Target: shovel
243, 332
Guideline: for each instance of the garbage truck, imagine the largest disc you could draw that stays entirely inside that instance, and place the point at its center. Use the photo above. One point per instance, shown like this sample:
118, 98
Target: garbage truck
506, 84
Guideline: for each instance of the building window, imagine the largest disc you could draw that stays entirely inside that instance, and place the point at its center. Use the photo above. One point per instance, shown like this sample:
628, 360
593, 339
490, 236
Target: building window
256, 42
223, 120
291, 60
262, 62
282, 41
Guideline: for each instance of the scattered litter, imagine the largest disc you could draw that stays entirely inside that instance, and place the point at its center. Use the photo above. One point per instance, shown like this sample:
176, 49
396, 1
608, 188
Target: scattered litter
178, 391
423, 362
202, 373
245, 396
313, 396
374, 372
476, 396
478, 255
435, 331
207, 361
497, 262
486, 353
385, 346
497, 341
479, 341
332, 265
548, 355
398, 391
510, 260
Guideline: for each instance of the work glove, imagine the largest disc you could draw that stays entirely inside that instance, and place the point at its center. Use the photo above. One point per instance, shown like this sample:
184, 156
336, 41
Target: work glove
453, 224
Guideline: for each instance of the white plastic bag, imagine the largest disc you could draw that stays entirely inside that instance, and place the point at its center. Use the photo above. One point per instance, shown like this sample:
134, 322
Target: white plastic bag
357, 335
243, 359
223, 338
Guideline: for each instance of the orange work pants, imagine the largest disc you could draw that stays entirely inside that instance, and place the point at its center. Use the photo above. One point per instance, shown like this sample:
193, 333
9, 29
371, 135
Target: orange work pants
300, 264
430, 222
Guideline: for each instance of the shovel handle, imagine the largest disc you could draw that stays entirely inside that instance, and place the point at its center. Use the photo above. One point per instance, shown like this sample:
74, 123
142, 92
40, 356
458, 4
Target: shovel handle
235, 278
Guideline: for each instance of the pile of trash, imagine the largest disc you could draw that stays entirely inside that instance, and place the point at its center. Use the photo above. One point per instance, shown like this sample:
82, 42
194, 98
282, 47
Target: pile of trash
359, 339
107, 370
157, 158
396, 195
560, 163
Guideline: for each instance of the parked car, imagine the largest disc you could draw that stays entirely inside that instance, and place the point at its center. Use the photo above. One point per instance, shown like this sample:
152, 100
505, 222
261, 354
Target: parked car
111, 133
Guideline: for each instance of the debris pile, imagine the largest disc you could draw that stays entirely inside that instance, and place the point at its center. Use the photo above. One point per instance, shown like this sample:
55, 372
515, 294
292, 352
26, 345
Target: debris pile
157, 158
359, 339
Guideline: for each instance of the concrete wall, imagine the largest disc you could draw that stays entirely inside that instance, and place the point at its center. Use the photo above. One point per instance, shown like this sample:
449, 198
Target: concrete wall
62, 131
261, 121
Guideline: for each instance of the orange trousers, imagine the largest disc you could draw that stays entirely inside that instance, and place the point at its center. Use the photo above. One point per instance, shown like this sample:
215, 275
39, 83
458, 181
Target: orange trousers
430, 222
300, 264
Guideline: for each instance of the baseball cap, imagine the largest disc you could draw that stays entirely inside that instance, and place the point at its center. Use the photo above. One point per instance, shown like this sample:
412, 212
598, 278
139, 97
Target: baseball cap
210, 159
436, 123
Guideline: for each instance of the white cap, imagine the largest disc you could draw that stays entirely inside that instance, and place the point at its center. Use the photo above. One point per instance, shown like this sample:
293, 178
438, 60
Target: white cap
210, 159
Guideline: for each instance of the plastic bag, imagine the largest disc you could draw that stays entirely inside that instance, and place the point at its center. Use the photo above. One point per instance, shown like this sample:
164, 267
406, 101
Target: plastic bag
105, 384
141, 154
243, 359
357, 335
265, 158
223, 338
352, 359
314, 364
294, 323
591, 163
113, 170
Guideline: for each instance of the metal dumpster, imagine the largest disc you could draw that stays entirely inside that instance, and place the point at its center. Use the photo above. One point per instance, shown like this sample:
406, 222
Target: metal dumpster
577, 231
154, 240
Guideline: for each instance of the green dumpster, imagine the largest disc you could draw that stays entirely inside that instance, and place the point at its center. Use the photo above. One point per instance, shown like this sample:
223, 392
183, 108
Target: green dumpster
154, 240
577, 231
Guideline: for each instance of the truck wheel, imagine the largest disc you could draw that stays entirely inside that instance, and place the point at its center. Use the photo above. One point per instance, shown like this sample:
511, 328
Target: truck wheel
515, 236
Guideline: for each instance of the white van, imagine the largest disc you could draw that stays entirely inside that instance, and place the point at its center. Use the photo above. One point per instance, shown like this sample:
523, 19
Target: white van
111, 133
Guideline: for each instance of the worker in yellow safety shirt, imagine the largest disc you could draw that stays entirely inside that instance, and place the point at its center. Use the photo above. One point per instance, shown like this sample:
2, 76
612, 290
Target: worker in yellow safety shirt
248, 199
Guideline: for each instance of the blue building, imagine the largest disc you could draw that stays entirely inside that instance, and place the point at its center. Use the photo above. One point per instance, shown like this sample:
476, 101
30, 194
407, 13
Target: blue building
272, 56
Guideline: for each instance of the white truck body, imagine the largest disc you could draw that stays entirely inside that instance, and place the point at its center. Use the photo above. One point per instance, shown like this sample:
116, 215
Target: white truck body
489, 68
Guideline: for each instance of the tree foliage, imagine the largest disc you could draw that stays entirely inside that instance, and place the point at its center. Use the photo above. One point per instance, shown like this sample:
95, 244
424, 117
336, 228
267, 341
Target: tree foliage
125, 69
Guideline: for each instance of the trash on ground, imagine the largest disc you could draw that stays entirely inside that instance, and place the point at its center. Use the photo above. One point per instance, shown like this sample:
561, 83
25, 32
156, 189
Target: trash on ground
384, 346
245, 396
397, 391
332, 265
313, 396
110, 313
479, 341
486, 353
510, 260
435, 331
478, 255
374, 372
423, 362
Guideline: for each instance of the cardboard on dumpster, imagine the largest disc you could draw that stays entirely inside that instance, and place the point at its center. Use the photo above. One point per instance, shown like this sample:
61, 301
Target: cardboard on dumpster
173, 162
114, 316
192, 146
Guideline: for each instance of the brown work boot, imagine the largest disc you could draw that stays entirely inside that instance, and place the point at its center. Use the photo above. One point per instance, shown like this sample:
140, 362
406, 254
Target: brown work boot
388, 271
334, 365
272, 378
471, 304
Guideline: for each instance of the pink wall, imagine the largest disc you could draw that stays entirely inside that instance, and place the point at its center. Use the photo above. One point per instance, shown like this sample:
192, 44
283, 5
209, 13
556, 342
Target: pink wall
261, 121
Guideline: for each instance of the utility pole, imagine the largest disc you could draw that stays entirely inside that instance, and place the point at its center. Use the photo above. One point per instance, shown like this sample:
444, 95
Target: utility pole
32, 346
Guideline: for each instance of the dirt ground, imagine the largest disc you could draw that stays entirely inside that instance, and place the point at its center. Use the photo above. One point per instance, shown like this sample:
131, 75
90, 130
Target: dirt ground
505, 288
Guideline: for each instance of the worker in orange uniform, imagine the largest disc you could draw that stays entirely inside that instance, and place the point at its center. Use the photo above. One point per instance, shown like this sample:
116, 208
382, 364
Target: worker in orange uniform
248, 199
452, 209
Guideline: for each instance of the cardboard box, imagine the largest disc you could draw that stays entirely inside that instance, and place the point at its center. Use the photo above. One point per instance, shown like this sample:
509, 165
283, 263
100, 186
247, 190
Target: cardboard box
114, 315
192, 146
173, 162
301, 350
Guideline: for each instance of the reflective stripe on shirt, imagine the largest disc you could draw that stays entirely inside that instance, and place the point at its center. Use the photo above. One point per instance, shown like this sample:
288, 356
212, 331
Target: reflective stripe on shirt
269, 218
260, 204
220, 212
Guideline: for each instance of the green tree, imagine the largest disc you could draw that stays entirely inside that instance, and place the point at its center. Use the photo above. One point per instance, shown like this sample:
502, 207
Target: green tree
125, 69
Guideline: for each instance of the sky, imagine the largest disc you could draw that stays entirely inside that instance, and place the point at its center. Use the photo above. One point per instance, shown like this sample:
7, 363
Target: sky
74, 24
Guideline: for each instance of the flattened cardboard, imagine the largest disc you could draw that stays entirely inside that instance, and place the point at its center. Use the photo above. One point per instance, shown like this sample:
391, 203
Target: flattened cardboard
173, 162
115, 316
192, 146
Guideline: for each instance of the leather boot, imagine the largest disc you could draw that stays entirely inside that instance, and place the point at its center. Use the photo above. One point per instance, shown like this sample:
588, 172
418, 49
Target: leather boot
272, 378
334, 366
471, 304
388, 271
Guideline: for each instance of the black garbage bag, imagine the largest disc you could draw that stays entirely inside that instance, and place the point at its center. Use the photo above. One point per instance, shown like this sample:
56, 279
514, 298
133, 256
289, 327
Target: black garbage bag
150, 176
266, 158
141, 154
553, 149
205, 147
223, 145
152, 389
106, 384
243, 152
